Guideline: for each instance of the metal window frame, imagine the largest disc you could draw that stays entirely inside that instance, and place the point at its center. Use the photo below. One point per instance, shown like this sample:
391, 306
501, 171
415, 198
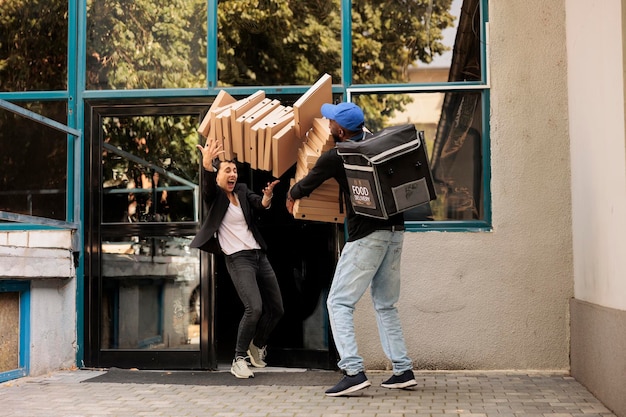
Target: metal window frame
76, 94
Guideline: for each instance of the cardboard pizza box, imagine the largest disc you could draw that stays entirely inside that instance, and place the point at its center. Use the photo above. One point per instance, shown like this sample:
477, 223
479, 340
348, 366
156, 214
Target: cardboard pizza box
237, 128
237, 110
285, 146
308, 106
222, 124
274, 127
222, 99
249, 143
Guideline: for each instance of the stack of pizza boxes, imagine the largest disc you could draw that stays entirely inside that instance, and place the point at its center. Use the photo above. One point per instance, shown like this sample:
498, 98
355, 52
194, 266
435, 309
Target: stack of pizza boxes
272, 137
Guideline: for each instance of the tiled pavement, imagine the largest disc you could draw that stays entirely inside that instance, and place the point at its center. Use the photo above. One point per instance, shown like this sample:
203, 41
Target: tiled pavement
438, 394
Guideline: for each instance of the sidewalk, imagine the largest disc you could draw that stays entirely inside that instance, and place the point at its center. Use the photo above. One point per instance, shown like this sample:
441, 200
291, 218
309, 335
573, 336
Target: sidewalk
438, 394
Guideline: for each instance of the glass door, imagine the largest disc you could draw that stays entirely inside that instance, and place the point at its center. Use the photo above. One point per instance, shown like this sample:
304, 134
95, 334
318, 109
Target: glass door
151, 301
147, 294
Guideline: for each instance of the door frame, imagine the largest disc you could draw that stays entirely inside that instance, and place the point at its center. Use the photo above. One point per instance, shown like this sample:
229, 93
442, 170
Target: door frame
94, 356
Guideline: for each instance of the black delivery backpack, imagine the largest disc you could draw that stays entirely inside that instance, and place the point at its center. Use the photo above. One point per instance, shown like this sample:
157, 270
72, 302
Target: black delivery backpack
388, 171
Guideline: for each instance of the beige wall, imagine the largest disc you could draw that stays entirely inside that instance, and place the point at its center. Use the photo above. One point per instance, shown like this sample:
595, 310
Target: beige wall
595, 53
499, 300
596, 79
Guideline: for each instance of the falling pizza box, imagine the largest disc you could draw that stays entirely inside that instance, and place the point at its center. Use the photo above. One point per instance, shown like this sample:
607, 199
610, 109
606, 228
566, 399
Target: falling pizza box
237, 110
222, 125
237, 129
322, 128
222, 101
250, 121
273, 128
307, 154
258, 133
309, 105
279, 117
318, 143
285, 146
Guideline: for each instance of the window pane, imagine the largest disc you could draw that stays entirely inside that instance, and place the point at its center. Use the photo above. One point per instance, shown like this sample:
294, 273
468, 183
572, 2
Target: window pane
453, 129
150, 169
26, 147
150, 294
33, 45
395, 42
274, 42
144, 44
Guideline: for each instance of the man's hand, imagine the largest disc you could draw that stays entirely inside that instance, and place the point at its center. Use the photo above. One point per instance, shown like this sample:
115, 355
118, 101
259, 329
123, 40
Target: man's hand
289, 203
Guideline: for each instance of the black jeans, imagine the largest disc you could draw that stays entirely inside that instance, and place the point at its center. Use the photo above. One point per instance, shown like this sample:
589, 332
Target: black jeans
257, 287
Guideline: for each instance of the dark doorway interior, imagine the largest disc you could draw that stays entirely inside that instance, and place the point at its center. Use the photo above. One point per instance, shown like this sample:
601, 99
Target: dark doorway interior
151, 302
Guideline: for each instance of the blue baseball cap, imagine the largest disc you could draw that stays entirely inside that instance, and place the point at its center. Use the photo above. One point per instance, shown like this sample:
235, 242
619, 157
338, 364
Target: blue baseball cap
347, 115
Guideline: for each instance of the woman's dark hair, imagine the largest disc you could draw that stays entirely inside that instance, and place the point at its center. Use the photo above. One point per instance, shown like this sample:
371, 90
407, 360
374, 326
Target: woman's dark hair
217, 163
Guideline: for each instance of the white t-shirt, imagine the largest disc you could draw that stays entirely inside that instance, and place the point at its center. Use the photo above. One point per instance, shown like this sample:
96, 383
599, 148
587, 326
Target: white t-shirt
234, 234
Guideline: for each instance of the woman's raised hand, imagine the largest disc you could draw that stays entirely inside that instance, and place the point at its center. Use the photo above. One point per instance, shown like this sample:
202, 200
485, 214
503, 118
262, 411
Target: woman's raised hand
211, 150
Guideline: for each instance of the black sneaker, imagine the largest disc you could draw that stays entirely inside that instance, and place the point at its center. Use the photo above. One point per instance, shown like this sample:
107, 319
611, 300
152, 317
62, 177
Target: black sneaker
348, 384
405, 380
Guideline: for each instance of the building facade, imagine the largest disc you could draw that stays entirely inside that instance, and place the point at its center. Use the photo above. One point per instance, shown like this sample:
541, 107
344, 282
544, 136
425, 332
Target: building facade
526, 273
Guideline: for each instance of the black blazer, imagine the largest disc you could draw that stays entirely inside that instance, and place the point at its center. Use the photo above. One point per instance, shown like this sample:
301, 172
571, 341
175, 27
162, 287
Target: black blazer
217, 202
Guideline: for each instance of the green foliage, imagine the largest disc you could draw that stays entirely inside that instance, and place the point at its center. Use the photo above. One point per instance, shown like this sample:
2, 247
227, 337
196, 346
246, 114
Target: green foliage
33, 45
146, 44
150, 44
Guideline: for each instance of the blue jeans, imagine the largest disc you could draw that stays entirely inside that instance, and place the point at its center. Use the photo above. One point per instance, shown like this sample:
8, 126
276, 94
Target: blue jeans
257, 287
373, 260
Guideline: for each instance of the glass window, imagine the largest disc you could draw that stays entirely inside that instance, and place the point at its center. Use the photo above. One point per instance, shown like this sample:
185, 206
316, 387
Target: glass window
146, 44
150, 169
33, 162
33, 45
393, 40
273, 42
150, 294
453, 130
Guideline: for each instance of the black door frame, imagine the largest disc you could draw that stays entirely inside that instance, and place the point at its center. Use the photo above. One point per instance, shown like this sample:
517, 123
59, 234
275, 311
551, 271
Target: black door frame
325, 238
203, 358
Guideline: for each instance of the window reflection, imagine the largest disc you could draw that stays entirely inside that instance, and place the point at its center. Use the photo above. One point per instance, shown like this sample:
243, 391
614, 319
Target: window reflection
452, 125
147, 44
150, 169
25, 146
150, 297
271, 42
393, 40
33, 45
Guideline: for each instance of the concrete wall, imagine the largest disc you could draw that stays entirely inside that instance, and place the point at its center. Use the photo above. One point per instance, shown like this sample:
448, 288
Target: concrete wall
499, 300
45, 259
595, 45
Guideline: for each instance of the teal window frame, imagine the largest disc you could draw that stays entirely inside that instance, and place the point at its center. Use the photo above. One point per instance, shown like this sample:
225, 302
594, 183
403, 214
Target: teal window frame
75, 96
23, 369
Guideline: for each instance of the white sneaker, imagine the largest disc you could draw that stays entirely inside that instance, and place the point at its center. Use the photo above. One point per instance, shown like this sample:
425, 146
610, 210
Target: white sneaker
257, 356
240, 368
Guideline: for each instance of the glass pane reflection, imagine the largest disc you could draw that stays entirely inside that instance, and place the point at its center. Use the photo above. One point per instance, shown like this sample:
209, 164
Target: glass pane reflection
26, 145
270, 42
150, 169
452, 125
393, 40
150, 289
33, 45
146, 44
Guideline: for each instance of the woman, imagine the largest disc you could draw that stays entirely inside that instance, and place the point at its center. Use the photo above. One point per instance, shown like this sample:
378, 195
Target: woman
230, 229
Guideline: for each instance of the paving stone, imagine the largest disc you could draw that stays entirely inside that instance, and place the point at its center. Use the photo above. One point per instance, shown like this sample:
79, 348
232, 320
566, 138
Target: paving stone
438, 394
